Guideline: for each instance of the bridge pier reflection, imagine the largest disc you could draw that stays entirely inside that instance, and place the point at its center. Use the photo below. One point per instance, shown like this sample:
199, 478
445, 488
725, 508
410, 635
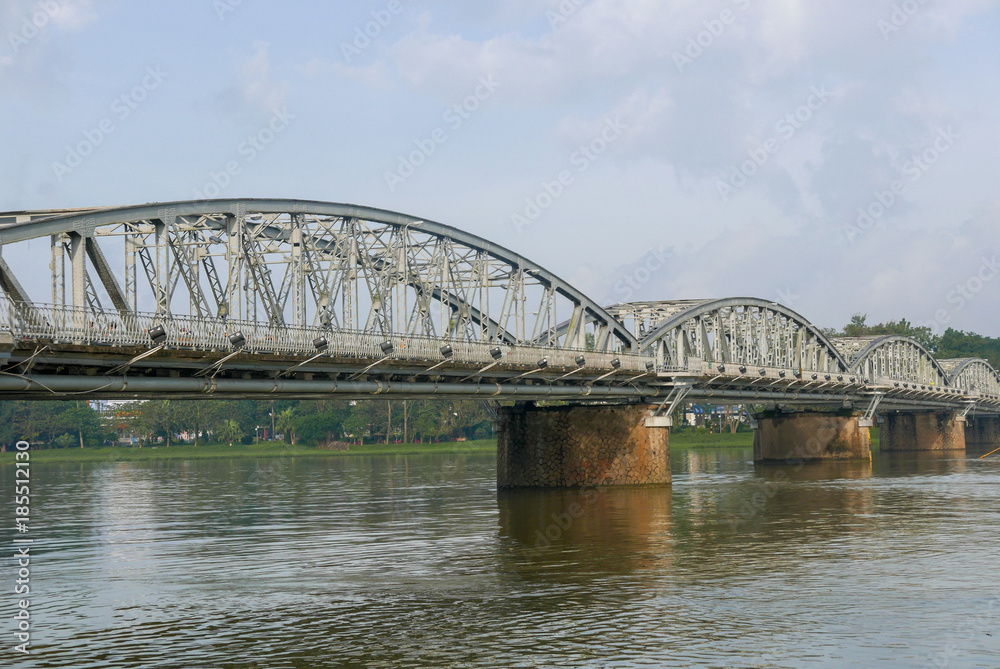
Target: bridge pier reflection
552, 526
576, 446
787, 437
940, 431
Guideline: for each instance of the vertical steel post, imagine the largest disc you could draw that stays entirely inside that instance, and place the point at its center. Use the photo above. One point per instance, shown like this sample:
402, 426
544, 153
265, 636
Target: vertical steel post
78, 258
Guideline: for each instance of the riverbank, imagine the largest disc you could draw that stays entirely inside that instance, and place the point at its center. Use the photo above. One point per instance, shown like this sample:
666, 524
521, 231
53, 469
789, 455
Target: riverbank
264, 450
686, 438
681, 439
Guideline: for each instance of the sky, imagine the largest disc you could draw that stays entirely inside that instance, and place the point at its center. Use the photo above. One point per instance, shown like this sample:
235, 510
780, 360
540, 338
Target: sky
834, 156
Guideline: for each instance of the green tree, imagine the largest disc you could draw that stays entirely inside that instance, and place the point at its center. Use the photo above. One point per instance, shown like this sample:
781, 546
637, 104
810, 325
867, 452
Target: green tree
958, 344
858, 327
230, 431
285, 422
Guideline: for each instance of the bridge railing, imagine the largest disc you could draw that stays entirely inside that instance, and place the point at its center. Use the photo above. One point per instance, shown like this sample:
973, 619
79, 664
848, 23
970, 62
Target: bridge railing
83, 326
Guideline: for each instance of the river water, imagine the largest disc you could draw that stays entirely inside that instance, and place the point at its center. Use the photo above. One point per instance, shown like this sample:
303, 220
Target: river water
413, 561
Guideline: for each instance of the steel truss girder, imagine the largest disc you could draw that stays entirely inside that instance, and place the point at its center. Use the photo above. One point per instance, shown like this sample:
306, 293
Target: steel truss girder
737, 331
467, 302
453, 268
893, 358
973, 375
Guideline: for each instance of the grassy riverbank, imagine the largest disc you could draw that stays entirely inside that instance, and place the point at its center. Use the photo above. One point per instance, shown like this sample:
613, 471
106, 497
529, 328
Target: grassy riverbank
265, 450
684, 438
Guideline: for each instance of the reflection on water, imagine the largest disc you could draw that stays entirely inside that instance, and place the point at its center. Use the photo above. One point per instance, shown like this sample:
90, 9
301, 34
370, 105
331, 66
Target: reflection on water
566, 527
418, 561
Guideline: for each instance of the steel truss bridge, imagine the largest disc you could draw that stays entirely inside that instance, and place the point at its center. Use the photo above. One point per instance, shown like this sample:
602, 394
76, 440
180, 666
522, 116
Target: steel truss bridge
253, 298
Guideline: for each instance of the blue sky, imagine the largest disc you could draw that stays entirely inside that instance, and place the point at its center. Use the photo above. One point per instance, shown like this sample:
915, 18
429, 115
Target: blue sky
733, 144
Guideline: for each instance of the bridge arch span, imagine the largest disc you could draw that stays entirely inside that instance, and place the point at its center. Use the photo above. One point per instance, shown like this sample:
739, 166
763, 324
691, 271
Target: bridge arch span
738, 331
893, 359
973, 375
308, 264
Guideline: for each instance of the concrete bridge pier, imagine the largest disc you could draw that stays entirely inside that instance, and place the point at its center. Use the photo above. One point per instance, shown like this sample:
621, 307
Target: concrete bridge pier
943, 431
793, 437
579, 446
982, 432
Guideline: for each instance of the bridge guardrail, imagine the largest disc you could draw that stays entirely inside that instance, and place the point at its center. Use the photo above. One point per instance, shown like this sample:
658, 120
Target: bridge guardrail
83, 326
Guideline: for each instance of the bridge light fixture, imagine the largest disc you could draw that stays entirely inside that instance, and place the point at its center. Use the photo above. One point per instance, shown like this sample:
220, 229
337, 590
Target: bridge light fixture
798, 373
815, 376
496, 353
826, 377
238, 341
743, 369
840, 377
158, 335
906, 385
896, 384
615, 366
650, 368
852, 379
722, 368
781, 374
447, 352
762, 371
320, 344
539, 366
387, 349
580, 361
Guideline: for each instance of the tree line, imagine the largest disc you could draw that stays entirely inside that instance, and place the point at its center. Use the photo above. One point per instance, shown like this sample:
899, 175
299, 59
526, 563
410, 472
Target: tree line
313, 422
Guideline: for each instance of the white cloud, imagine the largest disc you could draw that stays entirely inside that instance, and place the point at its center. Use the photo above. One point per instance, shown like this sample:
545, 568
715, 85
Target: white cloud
74, 14
259, 87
